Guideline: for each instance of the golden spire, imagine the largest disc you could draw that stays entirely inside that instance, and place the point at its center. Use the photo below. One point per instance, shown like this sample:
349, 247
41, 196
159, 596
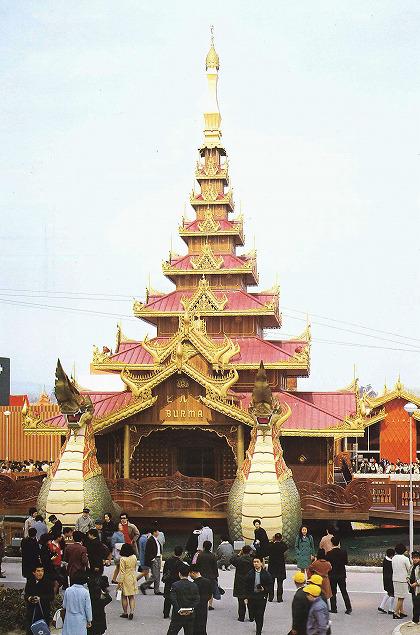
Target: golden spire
212, 59
212, 117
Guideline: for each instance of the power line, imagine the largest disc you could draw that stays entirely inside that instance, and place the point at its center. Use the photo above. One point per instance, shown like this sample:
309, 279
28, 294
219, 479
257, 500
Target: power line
131, 318
111, 296
293, 317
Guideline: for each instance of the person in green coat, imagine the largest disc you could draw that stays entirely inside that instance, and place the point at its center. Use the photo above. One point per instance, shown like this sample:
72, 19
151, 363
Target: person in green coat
304, 549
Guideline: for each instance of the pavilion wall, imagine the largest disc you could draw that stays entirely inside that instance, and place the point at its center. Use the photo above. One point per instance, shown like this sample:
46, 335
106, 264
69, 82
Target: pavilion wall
38, 447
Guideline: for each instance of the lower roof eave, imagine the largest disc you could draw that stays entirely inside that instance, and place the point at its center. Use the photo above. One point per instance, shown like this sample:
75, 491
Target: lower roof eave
336, 433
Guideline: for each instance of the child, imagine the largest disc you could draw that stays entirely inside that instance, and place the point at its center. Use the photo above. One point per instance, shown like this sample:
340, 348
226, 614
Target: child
387, 604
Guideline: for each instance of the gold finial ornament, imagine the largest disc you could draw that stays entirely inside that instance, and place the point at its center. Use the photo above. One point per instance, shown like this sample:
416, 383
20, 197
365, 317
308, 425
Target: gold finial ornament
212, 59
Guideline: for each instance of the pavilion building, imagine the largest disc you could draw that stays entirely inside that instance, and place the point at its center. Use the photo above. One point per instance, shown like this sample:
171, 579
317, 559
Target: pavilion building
171, 442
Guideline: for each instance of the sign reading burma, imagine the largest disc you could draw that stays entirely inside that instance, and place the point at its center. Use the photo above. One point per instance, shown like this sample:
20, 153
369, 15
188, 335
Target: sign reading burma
184, 409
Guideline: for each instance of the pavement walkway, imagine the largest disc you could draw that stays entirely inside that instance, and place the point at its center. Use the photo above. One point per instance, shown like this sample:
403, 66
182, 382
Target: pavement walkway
365, 589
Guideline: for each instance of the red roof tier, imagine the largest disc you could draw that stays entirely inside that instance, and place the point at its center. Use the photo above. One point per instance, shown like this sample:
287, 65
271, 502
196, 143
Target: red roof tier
313, 410
105, 403
237, 300
229, 262
252, 351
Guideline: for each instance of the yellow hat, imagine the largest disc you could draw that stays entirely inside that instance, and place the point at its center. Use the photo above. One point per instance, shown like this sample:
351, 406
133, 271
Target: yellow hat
312, 589
299, 577
316, 579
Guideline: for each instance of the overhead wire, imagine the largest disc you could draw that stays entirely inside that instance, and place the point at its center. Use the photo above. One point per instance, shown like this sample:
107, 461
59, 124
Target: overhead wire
134, 319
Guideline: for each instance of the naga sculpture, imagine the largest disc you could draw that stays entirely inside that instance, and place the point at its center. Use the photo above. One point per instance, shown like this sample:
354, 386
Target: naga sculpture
264, 487
75, 480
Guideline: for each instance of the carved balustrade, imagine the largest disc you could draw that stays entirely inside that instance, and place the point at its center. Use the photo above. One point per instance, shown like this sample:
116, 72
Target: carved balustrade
176, 493
323, 501
17, 495
179, 494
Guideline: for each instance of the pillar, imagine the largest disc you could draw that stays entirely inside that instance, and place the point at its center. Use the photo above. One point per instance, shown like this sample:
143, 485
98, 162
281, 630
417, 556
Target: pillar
240, 445
126, 454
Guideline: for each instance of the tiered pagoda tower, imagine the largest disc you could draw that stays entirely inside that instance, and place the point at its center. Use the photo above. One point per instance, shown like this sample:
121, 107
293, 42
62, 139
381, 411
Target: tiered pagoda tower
173, 440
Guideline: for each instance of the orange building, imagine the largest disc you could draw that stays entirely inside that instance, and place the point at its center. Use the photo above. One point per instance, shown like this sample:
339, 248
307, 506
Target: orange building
389, 437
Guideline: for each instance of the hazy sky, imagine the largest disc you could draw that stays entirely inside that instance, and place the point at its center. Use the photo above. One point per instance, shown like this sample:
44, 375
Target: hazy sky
101, 115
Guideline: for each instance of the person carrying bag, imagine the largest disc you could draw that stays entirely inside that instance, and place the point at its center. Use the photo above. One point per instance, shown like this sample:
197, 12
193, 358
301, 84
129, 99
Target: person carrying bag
40, 627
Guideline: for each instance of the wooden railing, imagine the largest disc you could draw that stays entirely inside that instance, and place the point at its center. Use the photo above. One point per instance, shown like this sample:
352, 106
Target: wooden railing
390, 495
180, 495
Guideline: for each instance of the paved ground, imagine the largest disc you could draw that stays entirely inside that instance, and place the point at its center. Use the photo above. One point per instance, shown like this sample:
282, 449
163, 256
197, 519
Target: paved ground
364, 589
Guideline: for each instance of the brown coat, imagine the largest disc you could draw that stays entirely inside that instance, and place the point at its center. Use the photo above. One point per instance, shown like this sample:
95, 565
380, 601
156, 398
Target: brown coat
77, 559
322, 568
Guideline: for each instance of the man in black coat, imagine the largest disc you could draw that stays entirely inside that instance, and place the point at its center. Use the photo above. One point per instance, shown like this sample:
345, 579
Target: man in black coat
259, 583
261, 541
243, 565
30, 553
184, 597
205, 590
338, 559
169, 576
277, 566
152, 561
38, 597
57, 527
98, 553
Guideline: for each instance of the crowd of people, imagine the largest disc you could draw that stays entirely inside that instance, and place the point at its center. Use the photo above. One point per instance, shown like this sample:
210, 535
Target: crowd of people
30, 466
383, 466
57, 559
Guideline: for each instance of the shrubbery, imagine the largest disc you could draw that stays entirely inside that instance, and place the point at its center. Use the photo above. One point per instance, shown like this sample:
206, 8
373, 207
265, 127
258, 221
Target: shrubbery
13, 610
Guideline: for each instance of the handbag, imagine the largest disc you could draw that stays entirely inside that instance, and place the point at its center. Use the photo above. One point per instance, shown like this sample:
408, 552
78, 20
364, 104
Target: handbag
40, 627
57, 619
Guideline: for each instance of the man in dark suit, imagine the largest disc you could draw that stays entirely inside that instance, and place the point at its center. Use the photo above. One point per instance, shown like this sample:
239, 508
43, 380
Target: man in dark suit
258, 583
152, 561
38, 597
76, 556
338, 559
30, 553
205, 589
170, 575
243, 565
184, 597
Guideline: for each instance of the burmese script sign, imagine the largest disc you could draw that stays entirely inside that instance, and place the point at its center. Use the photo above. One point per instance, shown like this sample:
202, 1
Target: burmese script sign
184, 409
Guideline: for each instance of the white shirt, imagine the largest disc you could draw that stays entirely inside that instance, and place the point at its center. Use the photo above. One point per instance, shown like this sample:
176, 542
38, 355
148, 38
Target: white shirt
206, 534
159, 548
401, 568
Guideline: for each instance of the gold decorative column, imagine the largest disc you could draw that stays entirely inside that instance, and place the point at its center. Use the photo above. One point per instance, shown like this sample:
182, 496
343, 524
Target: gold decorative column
240, 445
126, 456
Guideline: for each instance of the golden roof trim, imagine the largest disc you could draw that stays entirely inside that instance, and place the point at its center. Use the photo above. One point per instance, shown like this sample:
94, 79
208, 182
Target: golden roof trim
207, 259
204, 299
399, 392
123, 413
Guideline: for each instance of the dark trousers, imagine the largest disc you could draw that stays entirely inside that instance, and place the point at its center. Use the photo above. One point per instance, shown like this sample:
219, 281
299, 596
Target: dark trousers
200, 619
167, 606
416, 608
180, 621
256, 607
279, 589
242, 609
341, 583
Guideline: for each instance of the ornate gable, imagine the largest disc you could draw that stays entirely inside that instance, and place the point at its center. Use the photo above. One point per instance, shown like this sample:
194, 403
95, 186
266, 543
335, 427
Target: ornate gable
207, 259
204, 300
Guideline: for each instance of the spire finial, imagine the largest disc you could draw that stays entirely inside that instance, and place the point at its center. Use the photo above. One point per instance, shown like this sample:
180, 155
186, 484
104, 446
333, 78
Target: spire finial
212, 59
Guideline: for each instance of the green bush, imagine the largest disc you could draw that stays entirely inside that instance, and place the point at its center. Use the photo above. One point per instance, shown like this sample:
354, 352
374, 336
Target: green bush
13, 609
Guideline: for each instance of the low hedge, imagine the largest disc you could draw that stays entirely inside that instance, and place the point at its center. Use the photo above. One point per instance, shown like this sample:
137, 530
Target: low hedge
13, 609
